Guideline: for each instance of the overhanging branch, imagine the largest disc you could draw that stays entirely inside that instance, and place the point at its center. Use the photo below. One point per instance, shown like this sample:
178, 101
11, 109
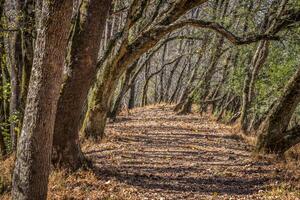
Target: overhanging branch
222, 31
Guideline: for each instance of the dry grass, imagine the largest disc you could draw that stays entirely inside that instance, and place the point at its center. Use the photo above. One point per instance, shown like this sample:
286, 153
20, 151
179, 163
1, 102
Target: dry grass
6, 168
85, 185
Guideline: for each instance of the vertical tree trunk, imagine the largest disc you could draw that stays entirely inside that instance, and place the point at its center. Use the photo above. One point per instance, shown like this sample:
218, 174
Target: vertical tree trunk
30, 177
208, 74
117, 103
145, 87
131, 101
13, 49
256, 64
80, 71
170, 79
28, 19
2, 145
178, 84
2, 102
162, 75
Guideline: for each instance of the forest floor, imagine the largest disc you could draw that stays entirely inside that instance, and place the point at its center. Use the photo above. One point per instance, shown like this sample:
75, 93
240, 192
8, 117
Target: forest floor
155, 154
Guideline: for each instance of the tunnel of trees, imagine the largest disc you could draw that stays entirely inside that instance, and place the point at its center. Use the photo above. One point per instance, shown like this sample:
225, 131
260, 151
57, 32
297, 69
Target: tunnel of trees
67, 67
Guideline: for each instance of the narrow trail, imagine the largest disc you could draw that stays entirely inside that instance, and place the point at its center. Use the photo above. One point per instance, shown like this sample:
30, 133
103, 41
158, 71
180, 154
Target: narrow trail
156, 154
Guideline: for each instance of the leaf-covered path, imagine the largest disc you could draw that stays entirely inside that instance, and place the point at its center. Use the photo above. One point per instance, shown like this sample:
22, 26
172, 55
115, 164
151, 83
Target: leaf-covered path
155, 154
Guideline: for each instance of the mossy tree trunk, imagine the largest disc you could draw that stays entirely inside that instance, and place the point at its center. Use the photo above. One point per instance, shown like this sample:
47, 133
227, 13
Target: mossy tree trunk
80, 69
273, 134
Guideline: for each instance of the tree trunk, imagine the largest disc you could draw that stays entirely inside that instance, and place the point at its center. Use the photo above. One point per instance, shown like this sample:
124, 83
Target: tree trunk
243, 120
131, 101
13, 49
178, 84
27, 49
2, 145
80, 70
170, 79
30, 177
273, 134
208, 74
186, 107
117, 104
162, 74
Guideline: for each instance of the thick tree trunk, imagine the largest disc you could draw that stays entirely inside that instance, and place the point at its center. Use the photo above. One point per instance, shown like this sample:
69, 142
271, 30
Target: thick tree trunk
80, 71
30, 177
273, 134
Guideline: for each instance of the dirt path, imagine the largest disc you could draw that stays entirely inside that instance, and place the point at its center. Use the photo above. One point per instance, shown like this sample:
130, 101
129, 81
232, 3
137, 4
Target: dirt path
155, 154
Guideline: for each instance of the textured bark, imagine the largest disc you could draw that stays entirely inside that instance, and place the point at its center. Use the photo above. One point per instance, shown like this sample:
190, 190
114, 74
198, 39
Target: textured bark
80, 70
273, 134
30, 177
13, 49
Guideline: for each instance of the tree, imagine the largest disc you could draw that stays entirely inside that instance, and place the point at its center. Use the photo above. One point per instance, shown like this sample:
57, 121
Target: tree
30, 176
19, 17
78, 77
274, 135
131, 48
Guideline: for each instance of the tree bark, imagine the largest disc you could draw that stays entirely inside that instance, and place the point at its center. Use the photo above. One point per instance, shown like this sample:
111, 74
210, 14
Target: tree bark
273, 134
30, 176
80, 70
13, 50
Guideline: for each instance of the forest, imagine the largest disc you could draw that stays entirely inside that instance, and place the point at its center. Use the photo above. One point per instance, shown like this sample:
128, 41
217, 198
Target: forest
149, 99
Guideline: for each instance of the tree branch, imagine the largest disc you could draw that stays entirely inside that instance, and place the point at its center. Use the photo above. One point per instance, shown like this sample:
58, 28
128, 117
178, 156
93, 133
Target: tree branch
222, 31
